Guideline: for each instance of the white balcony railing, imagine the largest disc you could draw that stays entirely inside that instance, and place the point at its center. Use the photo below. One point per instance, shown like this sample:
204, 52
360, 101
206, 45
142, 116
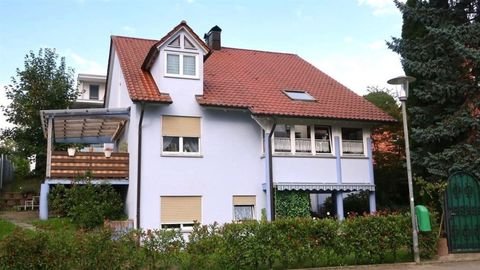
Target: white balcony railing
303, 145
322, 146
352, 146
282, 145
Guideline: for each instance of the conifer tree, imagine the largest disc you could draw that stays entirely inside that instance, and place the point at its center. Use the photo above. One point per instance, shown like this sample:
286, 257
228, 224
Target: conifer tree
440, 46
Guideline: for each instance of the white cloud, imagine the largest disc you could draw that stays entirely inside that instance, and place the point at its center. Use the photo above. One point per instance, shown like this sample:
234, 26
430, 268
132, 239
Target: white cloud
377, 45
84, 65
129, 29
380, 7
3, 102
360, 69
348, 40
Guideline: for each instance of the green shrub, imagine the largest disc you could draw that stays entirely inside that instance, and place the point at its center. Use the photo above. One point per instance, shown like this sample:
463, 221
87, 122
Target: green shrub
282, 244
87, 205
292, 204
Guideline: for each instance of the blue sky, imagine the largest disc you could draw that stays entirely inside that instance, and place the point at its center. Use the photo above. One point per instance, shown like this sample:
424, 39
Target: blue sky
344, 38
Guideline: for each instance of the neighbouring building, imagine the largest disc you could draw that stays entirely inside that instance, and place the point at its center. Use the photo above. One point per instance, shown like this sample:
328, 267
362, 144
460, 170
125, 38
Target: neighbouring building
91, 89
206, 132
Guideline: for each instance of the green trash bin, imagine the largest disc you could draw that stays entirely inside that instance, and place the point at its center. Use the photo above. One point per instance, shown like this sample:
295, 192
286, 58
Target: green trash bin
423, 218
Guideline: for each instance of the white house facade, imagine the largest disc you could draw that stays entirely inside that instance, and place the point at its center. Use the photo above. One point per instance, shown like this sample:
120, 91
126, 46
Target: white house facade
213, 131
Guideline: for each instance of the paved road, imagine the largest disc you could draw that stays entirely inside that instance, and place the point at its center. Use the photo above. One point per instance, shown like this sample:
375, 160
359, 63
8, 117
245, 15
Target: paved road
463, 265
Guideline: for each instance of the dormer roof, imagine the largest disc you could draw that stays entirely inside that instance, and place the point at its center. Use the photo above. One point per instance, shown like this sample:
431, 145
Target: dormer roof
154, 50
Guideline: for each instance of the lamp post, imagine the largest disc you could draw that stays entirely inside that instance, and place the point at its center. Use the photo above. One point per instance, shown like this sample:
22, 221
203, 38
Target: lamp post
403, 81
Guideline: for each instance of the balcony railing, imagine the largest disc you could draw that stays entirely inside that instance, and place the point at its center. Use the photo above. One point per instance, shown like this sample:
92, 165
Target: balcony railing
303, 145
322, 146
352, 146
282, 145
93, 163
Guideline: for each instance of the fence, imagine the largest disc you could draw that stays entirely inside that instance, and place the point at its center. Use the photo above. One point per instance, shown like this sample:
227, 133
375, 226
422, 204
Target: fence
6, 170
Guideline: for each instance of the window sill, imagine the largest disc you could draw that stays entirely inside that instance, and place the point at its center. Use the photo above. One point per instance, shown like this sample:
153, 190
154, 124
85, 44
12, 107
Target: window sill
182, 155
304, 155
354, 156
175, 76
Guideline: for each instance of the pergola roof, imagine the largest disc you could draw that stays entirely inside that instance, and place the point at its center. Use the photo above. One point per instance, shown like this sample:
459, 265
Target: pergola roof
85, 125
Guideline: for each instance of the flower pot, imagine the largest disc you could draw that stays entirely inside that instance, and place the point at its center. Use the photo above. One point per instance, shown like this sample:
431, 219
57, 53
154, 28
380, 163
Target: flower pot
108, 153
71, 151
442, 247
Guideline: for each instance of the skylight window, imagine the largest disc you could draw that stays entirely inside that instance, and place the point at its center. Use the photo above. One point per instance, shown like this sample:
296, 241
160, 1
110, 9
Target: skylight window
299, 95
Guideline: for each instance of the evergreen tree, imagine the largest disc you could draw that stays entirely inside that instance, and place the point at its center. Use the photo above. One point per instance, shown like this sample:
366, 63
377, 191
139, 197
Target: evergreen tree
440, 47
44, 83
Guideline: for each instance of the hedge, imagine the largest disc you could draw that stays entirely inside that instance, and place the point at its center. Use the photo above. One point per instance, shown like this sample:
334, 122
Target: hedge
282, 244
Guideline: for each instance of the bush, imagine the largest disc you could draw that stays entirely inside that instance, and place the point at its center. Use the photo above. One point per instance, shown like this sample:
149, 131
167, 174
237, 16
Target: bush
282, 244
292, 204
86, 204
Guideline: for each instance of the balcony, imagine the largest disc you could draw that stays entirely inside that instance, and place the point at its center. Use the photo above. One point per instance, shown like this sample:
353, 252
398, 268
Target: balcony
93, 163
352, 146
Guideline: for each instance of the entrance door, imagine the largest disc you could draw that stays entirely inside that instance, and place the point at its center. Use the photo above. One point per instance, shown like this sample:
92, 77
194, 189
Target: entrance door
463, 213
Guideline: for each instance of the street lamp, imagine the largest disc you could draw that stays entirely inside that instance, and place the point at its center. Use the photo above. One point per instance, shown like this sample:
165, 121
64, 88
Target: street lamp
403, 81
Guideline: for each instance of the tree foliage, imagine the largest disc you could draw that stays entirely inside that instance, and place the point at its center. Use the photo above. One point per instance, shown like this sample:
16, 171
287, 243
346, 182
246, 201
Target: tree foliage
440, 47
44, 83
388, 152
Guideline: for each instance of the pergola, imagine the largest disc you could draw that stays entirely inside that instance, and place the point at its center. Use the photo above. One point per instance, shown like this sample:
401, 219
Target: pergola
91, 126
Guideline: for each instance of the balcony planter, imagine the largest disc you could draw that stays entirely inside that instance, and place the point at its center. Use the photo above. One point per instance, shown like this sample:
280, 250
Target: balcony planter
107, 152
71, 151
108, 149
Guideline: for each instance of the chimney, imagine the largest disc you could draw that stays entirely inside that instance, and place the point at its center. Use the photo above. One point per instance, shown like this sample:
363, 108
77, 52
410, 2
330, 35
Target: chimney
213, 38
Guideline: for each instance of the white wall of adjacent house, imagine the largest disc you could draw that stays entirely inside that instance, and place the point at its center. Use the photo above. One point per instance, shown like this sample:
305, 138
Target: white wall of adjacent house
84, 90
118, 97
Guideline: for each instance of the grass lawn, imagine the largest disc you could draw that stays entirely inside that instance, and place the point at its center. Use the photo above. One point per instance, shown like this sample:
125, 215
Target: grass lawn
55, 224
6, 228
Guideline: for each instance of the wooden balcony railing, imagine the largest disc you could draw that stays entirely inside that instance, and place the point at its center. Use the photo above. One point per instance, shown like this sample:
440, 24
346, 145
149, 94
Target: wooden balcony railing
99, 166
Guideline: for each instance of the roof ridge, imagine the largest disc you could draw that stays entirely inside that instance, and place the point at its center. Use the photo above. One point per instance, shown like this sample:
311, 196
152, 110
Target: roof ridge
119, 36
262, 51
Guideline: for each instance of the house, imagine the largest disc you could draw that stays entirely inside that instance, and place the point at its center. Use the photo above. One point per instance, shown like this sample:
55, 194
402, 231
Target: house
91, 89
210, 132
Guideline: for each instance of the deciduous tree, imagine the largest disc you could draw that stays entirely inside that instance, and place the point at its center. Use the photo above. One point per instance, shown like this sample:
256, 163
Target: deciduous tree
45, 82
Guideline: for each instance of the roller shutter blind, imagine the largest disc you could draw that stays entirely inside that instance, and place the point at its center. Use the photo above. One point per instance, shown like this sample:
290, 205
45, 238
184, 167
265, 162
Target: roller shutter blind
181, 126
243, 200
180, 209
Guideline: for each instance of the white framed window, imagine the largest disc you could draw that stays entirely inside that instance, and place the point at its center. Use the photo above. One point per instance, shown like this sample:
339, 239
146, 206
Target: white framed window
243, 207
181, 65
181, 135
93, 91
352, 141
180, 212
301, 139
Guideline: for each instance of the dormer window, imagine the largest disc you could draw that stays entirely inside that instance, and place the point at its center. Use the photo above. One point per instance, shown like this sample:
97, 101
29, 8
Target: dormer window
181, 58
299, 95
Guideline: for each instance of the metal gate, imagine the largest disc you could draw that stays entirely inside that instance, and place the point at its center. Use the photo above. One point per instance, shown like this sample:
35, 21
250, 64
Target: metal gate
462, 202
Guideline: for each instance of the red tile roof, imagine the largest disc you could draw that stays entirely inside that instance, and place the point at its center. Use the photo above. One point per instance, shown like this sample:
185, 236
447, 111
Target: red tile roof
140, 83
254, 80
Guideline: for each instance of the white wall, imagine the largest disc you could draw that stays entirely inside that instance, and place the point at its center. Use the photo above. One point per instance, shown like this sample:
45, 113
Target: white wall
230, 165
304, 169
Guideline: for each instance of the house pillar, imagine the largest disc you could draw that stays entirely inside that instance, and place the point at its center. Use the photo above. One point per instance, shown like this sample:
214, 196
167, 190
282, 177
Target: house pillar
43, 207
372, 203
338, 194
339, 205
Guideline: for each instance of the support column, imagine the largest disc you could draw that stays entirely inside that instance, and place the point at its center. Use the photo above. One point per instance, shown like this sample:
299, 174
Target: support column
338, 193
339, 204
43, 207
372, 203
268, 126
49, 146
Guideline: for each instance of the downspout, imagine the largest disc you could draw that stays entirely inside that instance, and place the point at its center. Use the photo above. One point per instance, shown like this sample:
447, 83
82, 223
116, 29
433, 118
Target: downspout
270, 169
139, 162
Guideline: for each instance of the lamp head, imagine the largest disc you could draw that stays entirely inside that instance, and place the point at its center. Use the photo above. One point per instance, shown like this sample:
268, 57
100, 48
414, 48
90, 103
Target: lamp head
403, 81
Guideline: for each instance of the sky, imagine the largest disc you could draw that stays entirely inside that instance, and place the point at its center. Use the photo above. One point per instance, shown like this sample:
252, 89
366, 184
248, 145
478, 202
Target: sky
344, 38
